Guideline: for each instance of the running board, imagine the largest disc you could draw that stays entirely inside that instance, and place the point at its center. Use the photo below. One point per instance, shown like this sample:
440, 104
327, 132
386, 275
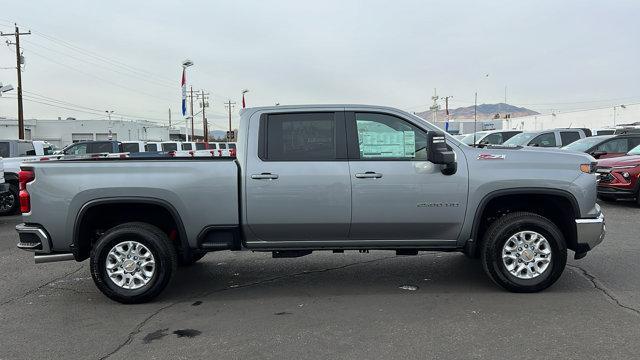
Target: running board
45, 258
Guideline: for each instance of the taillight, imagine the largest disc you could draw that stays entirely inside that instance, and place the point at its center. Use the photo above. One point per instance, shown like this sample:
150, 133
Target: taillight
232, 152
24, 177
219, 152
172, 153
213, 152
191, 152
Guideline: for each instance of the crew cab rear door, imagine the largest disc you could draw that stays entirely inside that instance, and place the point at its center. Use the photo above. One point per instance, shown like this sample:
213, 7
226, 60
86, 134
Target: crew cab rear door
396, 193
297, 185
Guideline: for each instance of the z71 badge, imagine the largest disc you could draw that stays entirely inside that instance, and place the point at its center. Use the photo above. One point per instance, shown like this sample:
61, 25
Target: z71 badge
491, 157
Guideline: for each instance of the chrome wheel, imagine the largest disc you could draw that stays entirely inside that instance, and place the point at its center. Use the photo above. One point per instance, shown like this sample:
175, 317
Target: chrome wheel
130, 265
526, 254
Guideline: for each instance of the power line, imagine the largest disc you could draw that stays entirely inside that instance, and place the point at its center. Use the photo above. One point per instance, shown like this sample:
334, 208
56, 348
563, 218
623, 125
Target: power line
97, 77
131, 74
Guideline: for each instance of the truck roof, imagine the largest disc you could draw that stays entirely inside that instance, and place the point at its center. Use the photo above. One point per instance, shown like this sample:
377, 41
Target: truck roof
316, 106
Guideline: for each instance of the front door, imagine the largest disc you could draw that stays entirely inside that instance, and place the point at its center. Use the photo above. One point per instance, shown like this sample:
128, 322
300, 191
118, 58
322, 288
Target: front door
396, 193
297, 185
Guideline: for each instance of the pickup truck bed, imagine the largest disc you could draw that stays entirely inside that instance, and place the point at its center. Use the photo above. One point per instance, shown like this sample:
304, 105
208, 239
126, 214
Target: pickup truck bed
203, 191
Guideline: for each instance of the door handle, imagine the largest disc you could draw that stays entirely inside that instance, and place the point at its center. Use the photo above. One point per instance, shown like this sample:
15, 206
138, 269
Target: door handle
369, 175
264, 176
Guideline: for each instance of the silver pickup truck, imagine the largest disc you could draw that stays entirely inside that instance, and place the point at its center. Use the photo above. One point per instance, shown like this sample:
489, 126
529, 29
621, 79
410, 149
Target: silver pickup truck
332, 177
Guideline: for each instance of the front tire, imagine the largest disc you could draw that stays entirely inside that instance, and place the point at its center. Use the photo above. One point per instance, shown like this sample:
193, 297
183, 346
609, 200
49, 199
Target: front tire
524, 252
133, 262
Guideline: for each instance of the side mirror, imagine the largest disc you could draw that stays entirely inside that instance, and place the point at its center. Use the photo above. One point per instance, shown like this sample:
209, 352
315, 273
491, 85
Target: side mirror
438, 153
597, 154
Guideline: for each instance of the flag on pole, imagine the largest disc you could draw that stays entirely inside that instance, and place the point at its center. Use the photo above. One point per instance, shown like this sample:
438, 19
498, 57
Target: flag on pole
244, 105
184, 92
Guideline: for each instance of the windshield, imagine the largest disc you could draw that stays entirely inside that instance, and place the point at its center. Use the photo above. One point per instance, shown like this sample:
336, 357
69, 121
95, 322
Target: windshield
521, 139
468, 139
634, 151
585, 144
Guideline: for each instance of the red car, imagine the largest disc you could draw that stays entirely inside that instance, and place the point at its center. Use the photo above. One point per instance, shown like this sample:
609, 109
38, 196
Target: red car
619, 178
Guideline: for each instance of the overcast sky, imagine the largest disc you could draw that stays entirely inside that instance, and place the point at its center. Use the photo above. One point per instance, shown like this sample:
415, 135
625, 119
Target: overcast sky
123, 56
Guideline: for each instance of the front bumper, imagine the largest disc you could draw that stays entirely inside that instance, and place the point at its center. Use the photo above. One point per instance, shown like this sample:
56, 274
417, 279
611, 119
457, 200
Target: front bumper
590, 233
35, 239
615, 192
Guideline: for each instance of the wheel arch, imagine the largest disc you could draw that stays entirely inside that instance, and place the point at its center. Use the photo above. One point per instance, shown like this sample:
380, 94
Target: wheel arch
567, 225
78, 246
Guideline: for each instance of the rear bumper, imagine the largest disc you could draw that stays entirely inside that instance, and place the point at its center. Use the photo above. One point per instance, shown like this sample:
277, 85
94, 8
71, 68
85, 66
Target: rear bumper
590, 233
35, 239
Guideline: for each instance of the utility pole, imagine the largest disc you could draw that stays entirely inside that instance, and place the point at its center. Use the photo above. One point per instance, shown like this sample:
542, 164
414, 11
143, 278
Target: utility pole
446, 112
109, 112
229, 106
435, 107
17, 34
169, 117
204, 104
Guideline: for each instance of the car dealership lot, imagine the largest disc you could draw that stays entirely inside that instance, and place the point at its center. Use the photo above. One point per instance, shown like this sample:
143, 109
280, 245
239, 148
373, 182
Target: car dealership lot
248, 305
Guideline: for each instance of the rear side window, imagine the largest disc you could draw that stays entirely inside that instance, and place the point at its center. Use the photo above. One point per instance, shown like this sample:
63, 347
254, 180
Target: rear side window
222, 146
615, 146
568, 137
186, 146
508, 135
5, 149
493, 139
130, 147
212, 146
200, 146
26, 149
170, 147
232, 146
100, 147
151, 147
298, 137
544, 140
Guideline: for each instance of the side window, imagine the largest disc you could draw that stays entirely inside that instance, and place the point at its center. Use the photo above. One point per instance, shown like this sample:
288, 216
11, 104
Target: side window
222, 146
151, 147
298, 137
508, 135
169, 147
78, 149
493, 139
200, 146
568, 137
232, 145
212, 146
544, 140
615, 146
382, 136
26, 149
100, 147
130, 147
186, 146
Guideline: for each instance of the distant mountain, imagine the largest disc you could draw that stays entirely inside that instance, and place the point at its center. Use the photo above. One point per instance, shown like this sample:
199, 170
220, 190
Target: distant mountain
485, 112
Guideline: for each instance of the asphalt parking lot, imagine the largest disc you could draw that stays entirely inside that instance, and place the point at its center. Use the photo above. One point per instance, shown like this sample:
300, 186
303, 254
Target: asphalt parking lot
352, 305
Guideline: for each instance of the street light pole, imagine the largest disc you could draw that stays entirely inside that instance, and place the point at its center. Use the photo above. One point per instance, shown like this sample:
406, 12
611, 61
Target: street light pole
185, 64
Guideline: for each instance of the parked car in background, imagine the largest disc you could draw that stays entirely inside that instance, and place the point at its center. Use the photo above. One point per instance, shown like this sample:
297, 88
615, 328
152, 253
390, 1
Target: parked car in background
14, 153
605, 146
92, 147
152, 146
548, 138
492, 137
628, 129
619, 177
315, 178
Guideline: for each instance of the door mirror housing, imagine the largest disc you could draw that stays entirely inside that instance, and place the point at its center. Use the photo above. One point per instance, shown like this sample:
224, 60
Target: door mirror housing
597, 154
439, 153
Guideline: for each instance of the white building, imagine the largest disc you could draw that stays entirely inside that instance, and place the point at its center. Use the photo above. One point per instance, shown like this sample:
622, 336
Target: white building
592, 119
62, 132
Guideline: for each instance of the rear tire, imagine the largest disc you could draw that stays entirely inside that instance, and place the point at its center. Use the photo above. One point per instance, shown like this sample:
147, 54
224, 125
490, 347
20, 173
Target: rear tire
503, 252
133, 262
9, 202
